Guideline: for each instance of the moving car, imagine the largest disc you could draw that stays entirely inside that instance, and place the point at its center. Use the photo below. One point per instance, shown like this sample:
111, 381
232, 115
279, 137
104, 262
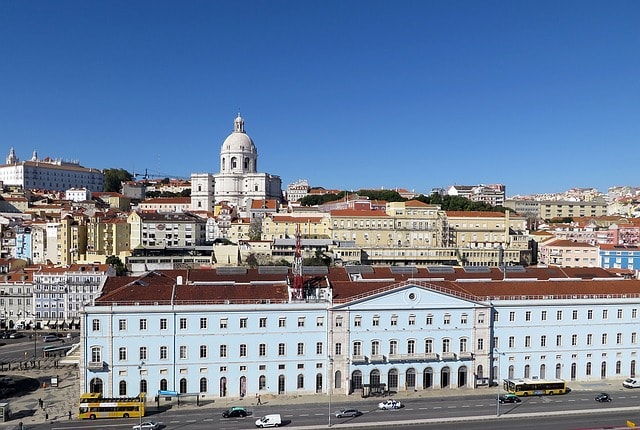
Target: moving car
348, 412
50, 338
234, 412
631, 383
509, 398
389, 404
271, 420
603, 397
147, 425
16, 335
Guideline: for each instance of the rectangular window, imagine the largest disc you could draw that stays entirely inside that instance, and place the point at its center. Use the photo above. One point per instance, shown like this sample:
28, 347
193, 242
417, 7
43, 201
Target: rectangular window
543, 315
589, 314
412, 320
95, 325
183, 352
589, 339
512, 342
300, 321
163, 323
446, 319
300, 348
604, 338
183, 323
282, 322
480, 344
574, 340
203, 351
143, 324
527, 341
574, 314
429, 320
262, 349
463, 319
543, 341
376, 321
338, 348
224, 322
243, 322
223, 351
164, 352
338, 321
634, 313
281, 349
605, 314
122, 353
512, 316
527, 316
263, 322
559, 315
619, 338
320, 322
559, 340
634, 337
357, 321
319, 348
143, 353
203, 322
122, 325
243, 350
394, 320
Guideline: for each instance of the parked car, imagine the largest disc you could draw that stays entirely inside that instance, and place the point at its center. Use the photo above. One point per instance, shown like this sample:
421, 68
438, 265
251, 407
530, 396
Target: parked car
234, 412
603, 397
271, 420
147, 425
389, 404
7, 334
51, 338
631, 383
348, 412
16, 335
509, 398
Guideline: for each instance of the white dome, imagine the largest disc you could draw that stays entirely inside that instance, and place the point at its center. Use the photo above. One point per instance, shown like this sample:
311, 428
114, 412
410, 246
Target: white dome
238, 141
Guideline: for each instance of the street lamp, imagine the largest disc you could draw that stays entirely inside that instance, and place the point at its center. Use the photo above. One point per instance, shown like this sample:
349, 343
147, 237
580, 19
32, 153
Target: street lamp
140, 394
330, 385
498, 354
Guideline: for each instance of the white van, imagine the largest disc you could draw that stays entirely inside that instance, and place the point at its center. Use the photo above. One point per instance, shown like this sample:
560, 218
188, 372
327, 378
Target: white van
631, 383
271, 420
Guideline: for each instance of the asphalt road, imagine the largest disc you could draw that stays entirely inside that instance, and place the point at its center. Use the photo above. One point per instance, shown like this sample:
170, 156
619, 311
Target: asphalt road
576, 410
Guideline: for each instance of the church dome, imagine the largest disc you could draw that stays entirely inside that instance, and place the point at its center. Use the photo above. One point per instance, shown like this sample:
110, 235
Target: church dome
238, 141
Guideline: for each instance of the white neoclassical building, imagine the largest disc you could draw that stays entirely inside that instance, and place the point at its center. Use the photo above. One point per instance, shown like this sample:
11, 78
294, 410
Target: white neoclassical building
238, 181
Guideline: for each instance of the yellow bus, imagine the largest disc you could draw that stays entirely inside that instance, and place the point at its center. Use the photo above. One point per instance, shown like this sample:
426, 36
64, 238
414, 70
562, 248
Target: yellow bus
535, 387
93, 405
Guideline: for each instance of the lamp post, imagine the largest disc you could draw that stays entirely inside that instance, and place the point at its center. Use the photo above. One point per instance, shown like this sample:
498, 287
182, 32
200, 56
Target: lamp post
498, 354
330, 384
140, 394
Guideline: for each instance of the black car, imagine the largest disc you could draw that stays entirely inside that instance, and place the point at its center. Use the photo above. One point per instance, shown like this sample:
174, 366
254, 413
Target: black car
509, 398
236, 411
348, 412
603, 397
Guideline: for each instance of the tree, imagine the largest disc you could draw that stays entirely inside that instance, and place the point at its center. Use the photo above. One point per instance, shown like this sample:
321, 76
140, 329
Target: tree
117, 263
255, 229
113, 179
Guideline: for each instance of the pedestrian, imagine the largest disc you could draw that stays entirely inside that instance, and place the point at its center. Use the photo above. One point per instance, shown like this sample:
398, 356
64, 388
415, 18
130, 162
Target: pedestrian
259, 401
69, 415
46, 416
20, 425
40, 403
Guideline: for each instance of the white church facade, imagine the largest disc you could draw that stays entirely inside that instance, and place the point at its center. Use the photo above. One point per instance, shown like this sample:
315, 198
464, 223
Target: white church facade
238, 181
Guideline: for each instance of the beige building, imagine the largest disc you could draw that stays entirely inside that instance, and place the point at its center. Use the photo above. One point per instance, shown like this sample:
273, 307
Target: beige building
108, 235
166, 204
285, 226
571, 209
567, 253
166, 231
71, 239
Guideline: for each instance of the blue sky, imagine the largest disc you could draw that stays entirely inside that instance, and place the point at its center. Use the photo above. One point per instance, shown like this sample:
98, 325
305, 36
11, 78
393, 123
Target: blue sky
541, 96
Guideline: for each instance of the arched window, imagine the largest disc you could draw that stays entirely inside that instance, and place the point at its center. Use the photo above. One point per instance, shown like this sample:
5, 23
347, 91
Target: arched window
163, 384
427, 378
480, 371
183, 385
122, 388
527, 371
300, 381
588, 370
511, 371
618, 367
319, 383
203, 385
374, 378
223, 387
558, 370
543, 371
338, 379
96, 385
603, 370
143, 385
356, 380
262, 382
410, 378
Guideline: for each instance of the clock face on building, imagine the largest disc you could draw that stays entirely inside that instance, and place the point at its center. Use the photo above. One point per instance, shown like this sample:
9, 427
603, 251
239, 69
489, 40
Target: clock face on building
160, 226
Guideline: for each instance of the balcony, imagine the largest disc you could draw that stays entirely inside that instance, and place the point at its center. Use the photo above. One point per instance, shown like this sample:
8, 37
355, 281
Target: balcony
96, 366
466, 355
448, 355
358, 359
377, 358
